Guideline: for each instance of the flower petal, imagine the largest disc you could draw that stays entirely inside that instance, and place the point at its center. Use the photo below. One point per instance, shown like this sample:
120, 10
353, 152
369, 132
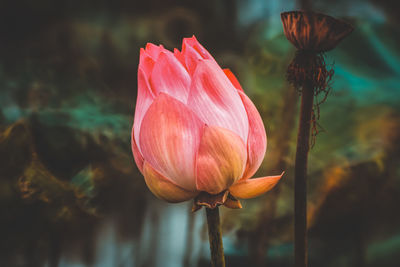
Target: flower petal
191, 57
256, 140
136, 153
154, 50
233, 79
170, 76
169, 139
163, 187
143, 101
250, 188
214, 99
232, 203
192, 41
179, 56
220, 160
146, 63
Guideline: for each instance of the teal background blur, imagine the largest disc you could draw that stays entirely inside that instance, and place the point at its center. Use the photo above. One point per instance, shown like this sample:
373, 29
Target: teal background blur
71, 195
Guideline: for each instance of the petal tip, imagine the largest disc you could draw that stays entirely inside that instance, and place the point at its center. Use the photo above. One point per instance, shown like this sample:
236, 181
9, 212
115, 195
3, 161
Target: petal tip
233, 79
254, 187
232, 203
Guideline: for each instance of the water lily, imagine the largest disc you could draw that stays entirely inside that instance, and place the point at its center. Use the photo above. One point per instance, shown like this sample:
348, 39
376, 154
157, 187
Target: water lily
196, 134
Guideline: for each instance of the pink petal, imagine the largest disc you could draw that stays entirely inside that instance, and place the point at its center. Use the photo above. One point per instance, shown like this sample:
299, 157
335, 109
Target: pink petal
179, 56
143, 101
250, 188
233, 79
136, 153
146, 63
170, 76
197, 46
191, 58
154, 50
169, 139
214, 99
220, 160
163, 187
257, 139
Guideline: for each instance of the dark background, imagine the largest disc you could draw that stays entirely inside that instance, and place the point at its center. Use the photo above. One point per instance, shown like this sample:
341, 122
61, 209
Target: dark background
71, 195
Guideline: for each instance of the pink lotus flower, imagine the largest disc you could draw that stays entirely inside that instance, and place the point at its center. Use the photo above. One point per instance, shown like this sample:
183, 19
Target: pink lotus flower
195, 130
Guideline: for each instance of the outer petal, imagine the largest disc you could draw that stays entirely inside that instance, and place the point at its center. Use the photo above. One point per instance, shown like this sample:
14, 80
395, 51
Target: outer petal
170, 76
254, 187
191, 58
146, 63
232, 203
179, 56
163, 187
233, 79
220, 160
144, 99
196, 46
169, 139
154, 50
214, 99
136, 153
257, 139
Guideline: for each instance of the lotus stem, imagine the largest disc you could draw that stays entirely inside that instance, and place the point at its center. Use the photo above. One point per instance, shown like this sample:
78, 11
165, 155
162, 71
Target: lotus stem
300, 186
215, 238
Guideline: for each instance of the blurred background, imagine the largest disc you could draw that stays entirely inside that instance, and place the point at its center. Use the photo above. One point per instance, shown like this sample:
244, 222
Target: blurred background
71, 195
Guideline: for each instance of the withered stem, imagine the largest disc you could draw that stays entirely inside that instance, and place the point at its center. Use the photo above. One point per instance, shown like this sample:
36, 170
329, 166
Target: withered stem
300, 186
215, 238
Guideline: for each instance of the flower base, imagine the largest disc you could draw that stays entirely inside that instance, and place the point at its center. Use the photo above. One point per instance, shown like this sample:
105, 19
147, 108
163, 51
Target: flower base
212, 201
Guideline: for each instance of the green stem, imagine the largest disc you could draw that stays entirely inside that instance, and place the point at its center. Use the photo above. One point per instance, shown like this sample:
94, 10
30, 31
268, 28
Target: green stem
300, 177
215, 237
